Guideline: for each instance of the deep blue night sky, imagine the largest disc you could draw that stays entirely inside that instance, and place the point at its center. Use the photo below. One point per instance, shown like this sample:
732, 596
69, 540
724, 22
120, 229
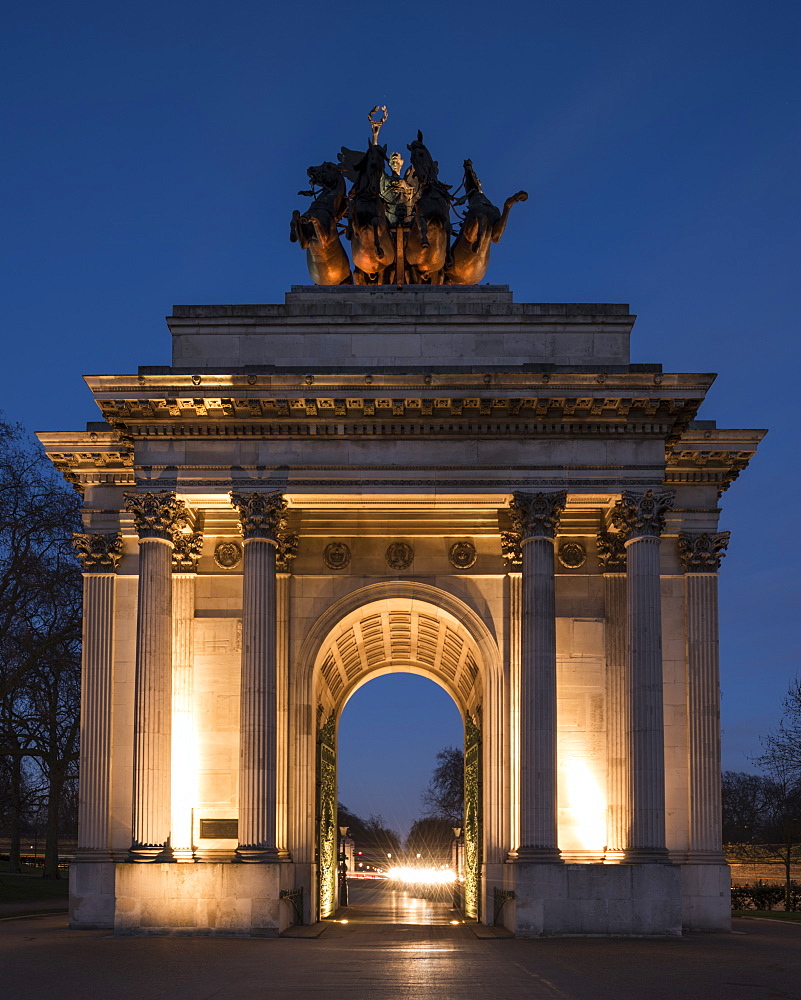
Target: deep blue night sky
152, 155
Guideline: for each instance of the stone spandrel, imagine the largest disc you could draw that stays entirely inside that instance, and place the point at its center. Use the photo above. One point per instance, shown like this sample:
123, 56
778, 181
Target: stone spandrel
415, 325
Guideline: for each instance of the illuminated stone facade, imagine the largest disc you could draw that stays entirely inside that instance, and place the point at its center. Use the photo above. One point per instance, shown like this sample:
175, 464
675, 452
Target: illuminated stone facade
425, 479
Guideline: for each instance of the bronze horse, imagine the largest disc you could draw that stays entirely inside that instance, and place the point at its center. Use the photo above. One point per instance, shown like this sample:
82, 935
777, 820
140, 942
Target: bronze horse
483, 225
316, 229
371, 245
429, 236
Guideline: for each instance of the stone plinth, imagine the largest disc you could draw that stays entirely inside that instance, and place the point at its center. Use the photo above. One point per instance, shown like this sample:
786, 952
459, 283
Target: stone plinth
632, 900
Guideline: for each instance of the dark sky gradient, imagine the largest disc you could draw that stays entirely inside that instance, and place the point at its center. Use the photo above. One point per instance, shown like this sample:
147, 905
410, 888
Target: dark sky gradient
152, 154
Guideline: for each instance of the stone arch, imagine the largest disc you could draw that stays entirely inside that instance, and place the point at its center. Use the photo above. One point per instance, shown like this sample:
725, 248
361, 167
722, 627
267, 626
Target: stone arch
398, 626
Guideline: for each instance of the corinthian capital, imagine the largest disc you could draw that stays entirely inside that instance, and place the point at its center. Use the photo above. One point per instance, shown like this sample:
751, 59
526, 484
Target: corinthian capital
98, 552
702, 553
536, 515
286, 550
261, 514
640, 515
186, 551
156, 515
612, 551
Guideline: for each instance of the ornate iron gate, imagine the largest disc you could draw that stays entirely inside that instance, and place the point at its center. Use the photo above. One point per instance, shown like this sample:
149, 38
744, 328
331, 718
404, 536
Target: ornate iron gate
327, 816
472, 819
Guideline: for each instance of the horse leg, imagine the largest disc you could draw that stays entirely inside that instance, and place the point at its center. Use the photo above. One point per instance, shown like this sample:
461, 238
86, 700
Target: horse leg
424, 242
500, 225
379, 250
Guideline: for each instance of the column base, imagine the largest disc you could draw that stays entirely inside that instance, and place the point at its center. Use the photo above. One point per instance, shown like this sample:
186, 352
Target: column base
151, 853
260, 856
539, 855
647, 856
89, 855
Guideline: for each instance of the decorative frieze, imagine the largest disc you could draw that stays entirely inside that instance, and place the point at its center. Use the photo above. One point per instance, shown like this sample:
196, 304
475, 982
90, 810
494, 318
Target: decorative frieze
642, 515
286, 551
261, 514
99, 552
156, 515
186, 551
702, 553
612, 551
536, 515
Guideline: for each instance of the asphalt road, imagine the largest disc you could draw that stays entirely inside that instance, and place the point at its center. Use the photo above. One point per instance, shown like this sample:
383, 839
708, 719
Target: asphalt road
365, 959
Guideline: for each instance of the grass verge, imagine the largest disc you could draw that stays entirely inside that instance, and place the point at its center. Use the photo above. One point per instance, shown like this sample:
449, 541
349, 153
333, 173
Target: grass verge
31, 888
794, 915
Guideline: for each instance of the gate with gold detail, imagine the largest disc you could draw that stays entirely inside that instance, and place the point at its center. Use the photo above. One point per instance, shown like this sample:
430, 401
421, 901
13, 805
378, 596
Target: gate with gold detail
327, 816
472, 818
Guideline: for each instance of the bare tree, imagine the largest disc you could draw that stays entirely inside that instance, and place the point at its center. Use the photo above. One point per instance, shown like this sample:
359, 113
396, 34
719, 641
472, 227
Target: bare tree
782, 746
40, 630
444, 796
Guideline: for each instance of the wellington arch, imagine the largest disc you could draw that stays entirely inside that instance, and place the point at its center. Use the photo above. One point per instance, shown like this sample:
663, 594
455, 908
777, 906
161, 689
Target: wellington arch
400, 468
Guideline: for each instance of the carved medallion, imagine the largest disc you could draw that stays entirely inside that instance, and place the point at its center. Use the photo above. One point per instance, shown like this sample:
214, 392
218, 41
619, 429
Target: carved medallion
228, 555
572, 555
462, 555
400, 555
336, 555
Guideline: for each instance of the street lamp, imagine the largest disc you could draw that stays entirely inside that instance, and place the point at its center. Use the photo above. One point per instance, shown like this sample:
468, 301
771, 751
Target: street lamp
457, 886
343, 867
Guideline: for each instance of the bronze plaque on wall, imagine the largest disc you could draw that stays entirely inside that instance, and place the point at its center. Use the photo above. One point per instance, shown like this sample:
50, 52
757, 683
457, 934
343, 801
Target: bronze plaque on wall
219, 829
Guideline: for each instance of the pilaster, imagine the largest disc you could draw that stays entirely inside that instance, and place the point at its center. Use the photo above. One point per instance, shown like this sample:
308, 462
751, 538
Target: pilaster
99, 555
536, 518
641, 517
701, 555
612, 558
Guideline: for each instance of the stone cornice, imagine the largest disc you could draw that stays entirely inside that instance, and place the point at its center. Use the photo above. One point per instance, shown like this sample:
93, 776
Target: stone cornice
702, 552
99, 552
710, 455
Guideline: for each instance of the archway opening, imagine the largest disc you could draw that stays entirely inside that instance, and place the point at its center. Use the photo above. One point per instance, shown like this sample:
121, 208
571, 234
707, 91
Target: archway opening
394, 732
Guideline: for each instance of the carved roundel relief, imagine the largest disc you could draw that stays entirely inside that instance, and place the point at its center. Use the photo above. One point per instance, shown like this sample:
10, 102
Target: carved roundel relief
400, 555
462, 555
572, 555
228, 555
336, 555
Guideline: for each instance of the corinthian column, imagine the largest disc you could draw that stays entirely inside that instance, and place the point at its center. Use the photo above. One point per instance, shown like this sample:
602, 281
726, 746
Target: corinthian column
185, 555
536, 517
641, 516
99, 554
700, 555
156, 516
262, 518
286, 552
612, 557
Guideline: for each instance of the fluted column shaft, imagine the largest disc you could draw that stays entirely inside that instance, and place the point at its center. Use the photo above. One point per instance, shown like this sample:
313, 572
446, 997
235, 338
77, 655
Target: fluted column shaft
515, 597
97, 664
537, 516
261, 516
646, 840
157, 517
153, 707
183, 735
617, 714
282, 709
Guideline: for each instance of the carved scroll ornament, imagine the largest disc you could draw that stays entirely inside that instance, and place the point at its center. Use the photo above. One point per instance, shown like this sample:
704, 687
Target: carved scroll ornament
642, 515
702, 553
286, 551
612, 551
511, 551
261, 514
186, 551
98, 552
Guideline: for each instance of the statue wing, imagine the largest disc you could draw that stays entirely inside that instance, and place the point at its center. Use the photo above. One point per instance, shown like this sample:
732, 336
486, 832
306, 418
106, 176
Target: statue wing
348, 161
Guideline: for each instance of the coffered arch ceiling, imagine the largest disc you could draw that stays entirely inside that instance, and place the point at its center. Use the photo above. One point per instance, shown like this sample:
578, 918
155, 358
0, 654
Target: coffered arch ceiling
399, 635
